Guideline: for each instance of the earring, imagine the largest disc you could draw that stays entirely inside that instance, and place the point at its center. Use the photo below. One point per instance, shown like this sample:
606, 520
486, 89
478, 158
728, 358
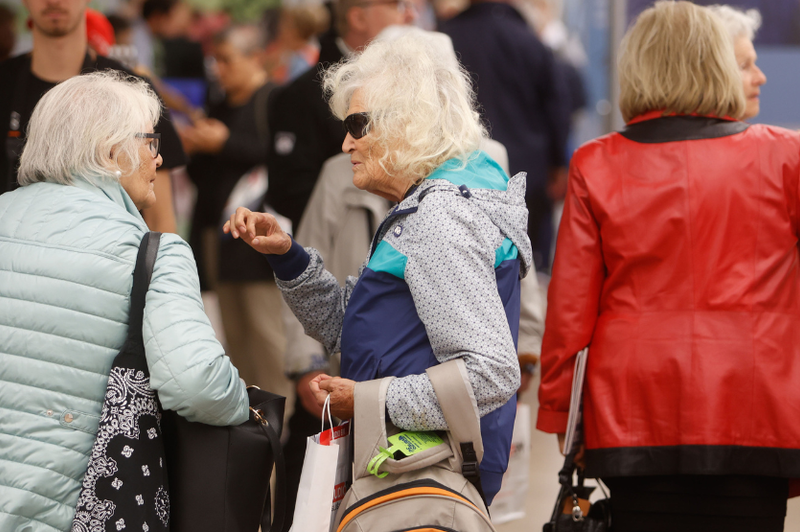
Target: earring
118, 174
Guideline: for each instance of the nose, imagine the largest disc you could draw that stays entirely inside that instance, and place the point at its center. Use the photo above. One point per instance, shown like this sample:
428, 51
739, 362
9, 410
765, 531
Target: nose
349, 144
159, 161
761, 78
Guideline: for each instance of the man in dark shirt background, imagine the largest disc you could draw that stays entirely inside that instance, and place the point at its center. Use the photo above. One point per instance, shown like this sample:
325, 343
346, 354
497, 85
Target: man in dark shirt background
523, 99
60, 51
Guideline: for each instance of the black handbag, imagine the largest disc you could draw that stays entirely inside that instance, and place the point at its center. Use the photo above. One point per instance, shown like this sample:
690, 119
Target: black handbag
125, 485
220, 476
573, 512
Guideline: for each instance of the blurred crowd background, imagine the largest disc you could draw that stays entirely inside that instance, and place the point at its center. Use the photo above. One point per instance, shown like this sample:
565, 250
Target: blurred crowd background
215, 62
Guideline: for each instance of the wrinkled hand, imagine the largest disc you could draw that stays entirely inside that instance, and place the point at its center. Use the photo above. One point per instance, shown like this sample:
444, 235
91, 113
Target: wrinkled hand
341, 392
259, 230
306, 396
579, 458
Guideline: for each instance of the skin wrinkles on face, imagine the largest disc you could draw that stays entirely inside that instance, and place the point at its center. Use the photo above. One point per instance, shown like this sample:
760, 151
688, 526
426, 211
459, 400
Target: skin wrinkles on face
752, 76
365, 155
140, 183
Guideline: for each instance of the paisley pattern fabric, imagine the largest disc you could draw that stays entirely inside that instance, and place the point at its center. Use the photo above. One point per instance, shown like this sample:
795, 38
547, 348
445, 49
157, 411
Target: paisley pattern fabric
125, 484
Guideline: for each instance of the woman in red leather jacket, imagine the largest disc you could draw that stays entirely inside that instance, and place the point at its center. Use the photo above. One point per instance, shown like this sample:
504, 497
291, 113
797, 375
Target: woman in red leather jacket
677, 264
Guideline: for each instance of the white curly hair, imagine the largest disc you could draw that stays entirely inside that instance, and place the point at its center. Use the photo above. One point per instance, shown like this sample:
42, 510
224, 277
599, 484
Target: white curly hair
739, 23
77, 126
421, 103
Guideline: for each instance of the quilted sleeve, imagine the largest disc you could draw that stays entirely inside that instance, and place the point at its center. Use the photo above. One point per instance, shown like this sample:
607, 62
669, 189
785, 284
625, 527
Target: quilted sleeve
573, 301
188, 366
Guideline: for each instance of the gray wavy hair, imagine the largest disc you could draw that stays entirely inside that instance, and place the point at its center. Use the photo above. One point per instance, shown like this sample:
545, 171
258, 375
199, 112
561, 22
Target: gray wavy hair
421, 103
739, 23
83, 125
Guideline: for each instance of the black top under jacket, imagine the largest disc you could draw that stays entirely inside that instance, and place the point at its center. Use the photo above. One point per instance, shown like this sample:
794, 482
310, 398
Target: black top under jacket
20, 91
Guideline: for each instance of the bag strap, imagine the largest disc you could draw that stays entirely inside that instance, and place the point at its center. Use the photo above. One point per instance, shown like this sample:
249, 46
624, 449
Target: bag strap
268, 522
460, 408
142, 273
369, 422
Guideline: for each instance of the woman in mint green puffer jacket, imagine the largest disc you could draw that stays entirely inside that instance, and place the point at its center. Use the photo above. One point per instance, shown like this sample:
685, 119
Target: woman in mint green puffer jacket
68, 242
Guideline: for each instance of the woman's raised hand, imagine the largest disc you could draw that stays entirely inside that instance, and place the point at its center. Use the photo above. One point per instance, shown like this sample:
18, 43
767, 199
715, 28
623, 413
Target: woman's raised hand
259, 230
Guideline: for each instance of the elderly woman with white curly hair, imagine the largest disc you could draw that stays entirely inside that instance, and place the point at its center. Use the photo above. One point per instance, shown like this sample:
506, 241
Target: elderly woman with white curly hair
69, 238
442, 278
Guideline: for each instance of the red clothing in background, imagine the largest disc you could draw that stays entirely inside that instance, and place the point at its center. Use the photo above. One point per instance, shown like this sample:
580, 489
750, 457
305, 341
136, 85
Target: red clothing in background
677, 263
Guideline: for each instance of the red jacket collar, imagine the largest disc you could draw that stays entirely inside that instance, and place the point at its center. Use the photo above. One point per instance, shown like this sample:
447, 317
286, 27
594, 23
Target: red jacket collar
660, 113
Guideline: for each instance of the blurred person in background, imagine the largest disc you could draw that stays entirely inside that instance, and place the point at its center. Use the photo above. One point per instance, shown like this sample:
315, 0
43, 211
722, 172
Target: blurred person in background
8, 31
414, 137
678, 265
523, 99
61, 51
69, 238
225, 148
303, 132
297, 41
161, 40
742, 27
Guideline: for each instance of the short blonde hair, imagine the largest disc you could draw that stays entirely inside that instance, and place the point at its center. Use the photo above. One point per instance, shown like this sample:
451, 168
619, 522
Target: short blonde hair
77, 125
678, 57
738, 23
420, 100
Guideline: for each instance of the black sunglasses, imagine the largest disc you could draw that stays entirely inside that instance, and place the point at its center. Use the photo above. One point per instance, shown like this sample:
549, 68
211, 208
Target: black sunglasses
357, 124
154, 146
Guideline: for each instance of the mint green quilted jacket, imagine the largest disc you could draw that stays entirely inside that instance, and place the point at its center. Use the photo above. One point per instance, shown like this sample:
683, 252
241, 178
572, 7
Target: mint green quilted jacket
66, 262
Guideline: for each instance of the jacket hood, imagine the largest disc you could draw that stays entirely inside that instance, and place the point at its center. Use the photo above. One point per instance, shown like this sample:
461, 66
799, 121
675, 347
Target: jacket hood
500, 198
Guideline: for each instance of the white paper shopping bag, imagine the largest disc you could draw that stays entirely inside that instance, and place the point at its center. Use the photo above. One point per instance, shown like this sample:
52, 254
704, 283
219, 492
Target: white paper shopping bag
323, 481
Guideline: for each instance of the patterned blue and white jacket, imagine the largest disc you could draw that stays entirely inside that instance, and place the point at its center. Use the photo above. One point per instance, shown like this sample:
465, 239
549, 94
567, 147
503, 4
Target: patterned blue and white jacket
442, 281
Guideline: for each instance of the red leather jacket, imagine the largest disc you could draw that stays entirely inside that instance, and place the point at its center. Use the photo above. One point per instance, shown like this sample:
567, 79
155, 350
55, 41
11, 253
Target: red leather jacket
677, 264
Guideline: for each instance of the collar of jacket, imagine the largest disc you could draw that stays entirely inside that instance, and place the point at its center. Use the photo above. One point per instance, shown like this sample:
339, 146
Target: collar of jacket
111, 189
656, 127
661, 113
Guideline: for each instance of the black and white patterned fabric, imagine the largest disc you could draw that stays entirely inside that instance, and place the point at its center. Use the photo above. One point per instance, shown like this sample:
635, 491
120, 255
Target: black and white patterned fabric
125, 486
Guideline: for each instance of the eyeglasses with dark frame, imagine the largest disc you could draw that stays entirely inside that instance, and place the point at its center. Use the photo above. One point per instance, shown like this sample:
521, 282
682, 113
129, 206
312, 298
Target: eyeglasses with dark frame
155, 146
402, 5
357, 124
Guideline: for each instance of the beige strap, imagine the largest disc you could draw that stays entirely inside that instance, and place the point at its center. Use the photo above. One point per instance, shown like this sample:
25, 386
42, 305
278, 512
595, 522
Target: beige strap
369, 430
454, 391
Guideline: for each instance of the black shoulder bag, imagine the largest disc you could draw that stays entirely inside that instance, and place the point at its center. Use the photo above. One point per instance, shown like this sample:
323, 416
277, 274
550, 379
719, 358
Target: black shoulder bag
219, 476
125, 486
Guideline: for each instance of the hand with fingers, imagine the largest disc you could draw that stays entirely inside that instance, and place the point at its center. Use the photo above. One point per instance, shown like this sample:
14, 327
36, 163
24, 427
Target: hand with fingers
259, 230
341, 392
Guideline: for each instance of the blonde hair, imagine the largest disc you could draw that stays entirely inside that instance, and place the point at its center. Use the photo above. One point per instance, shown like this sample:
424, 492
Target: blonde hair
678, 57
420, 101
738, 23
308, 20
77, 125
